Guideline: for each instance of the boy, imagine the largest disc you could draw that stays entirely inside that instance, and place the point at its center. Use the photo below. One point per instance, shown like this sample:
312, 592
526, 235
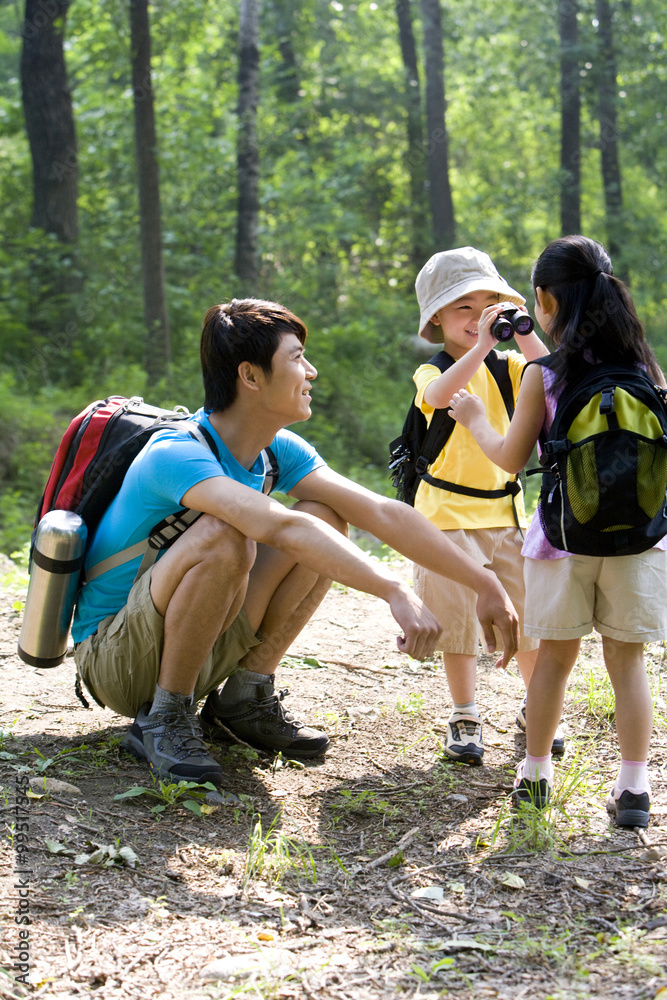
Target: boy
460, 294
235, 589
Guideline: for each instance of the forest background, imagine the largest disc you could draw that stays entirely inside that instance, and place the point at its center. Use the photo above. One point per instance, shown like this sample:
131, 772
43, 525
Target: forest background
157, 160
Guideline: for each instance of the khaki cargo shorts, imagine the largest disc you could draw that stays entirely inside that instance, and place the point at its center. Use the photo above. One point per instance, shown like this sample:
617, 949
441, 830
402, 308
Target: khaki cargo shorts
120, 662
498, 549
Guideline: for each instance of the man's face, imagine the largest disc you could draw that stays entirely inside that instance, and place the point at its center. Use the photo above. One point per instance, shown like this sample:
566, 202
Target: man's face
286, 391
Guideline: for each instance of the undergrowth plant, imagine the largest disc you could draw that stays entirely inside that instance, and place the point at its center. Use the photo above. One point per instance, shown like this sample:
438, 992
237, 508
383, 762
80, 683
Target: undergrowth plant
578, 786
274, 853
186, 793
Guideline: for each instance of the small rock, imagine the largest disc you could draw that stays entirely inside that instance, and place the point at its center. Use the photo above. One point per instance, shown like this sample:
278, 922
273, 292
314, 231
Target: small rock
53, 786
653, 854
275, 962
455, 797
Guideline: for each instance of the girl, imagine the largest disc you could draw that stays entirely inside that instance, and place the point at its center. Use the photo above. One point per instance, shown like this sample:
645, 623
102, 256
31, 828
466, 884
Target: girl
589, 315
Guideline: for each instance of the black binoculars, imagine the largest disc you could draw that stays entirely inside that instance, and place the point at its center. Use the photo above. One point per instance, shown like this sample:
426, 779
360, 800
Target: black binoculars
510, 321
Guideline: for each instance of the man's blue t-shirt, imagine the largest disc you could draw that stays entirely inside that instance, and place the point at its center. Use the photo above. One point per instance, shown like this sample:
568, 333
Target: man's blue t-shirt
170, 464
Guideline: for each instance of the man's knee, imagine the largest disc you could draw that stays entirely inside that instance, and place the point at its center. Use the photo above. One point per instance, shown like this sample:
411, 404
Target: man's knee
224, 545
324, 513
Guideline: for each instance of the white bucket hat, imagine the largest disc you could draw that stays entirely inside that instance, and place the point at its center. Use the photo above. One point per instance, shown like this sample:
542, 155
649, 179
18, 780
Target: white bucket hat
450, 274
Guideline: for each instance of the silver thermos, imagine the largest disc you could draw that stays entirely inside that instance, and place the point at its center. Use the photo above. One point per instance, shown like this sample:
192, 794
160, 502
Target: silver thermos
55, 572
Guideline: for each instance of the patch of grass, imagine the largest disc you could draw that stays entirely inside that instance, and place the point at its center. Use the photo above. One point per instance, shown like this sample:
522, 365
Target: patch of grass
275, 853
578, 786
412, 706
364, 803
596, 695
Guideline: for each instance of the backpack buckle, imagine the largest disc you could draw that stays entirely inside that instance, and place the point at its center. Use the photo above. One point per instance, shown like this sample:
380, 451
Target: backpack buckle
607, 399
421, 465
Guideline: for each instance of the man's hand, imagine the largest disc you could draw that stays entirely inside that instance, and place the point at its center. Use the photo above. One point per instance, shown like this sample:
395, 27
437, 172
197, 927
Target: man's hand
421, 629
495, 608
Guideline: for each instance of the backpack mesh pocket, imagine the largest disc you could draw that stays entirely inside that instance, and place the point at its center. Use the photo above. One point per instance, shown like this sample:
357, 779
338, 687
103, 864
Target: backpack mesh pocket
583, 492
651, 477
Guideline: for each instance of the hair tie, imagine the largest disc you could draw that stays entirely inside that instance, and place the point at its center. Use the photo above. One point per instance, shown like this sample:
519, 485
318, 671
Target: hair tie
600, 270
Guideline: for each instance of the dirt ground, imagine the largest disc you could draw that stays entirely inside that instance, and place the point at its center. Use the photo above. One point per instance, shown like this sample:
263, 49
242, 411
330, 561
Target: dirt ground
378, 871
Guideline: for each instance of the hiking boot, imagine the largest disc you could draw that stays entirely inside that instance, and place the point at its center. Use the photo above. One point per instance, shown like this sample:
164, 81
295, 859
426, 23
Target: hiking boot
629, 808
172, 742
558, 745
263, 723
527, 792
464, 739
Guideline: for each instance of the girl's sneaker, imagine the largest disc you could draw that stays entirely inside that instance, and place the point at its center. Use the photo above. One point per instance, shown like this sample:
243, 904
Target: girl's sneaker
629, 808
558, 745
527, 792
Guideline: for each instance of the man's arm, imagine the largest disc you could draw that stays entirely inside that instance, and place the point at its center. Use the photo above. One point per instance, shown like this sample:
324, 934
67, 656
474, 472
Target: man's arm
314, 544
410, 533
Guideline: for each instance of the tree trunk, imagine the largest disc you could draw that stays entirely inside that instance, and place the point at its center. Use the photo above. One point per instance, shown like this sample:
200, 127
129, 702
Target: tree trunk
440, 195
54, 276
247, 154
47, 104
416, 159
570, 120
609, 159
155, 306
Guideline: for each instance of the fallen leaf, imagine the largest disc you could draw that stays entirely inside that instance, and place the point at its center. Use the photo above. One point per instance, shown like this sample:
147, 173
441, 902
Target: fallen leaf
435, 892
513, 881
583, 883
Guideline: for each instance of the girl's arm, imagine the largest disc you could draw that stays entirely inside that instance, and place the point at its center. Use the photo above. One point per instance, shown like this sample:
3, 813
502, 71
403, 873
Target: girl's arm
512, 451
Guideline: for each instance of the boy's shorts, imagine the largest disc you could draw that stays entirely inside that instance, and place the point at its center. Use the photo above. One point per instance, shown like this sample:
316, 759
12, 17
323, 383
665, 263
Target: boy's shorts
622, 597
120, 662
498, 549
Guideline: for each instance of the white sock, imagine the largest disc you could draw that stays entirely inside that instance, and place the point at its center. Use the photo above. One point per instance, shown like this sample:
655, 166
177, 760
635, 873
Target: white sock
535, 768
468, 708
633, 777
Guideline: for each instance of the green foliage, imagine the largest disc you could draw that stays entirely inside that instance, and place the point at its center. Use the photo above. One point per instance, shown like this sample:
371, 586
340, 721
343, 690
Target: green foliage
190, 794
335, 216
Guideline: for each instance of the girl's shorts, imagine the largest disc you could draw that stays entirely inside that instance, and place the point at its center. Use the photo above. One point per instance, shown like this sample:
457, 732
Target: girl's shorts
622, 597
499, 549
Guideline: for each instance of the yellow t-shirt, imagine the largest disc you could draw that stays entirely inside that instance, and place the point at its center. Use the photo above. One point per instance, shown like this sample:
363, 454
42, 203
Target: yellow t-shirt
463, 462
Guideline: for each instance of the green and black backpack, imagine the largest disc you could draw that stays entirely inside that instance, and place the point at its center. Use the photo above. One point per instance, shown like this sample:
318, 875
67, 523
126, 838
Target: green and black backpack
604, 463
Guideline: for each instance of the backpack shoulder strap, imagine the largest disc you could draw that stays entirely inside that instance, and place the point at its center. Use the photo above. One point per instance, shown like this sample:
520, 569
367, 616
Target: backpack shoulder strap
442, 423
170, 528
498, 365
441, 426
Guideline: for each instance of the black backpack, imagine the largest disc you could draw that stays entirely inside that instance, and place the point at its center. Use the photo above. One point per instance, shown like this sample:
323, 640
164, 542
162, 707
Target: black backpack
604, 484
419, 445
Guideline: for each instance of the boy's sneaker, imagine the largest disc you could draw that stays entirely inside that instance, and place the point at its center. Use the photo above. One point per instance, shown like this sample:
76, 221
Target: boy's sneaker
558, 745
263, 723
464, 739
629, 808
172, 742
534, 793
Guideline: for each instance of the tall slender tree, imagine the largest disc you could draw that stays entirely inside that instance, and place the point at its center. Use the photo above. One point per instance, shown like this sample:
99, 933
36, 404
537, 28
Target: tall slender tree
607, 116
155, 303
570, 120
246, 262
440, 193
47, 105
416, 157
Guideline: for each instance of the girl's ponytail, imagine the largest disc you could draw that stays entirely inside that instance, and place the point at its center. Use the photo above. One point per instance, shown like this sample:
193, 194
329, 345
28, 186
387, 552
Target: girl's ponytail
595, 314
